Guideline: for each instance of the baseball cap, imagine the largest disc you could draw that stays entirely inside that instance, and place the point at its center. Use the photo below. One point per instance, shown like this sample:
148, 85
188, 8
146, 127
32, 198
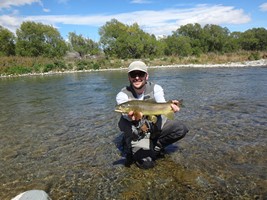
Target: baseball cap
137, 65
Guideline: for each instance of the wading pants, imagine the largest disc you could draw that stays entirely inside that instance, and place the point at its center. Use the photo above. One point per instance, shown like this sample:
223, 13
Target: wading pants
172, 131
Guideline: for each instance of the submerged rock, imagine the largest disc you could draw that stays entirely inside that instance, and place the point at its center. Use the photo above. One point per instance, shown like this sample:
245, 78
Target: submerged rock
32, 195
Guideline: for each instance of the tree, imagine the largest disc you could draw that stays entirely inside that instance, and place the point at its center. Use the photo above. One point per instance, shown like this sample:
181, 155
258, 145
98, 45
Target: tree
36, 39
254, 39
261, 35
133, 42
109, 34
210, 38
125, 41
217, 38
233, 42
7, 44
83, 45
152, 46
178, 46
197, 37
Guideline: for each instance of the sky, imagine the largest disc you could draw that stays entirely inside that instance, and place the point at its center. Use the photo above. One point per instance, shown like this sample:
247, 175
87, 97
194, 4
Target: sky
158, 17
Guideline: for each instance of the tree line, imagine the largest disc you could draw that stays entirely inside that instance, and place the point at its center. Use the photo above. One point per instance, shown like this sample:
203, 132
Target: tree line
119, 40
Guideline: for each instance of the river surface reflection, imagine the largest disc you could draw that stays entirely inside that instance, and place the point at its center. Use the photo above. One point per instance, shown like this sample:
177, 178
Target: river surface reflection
59, 133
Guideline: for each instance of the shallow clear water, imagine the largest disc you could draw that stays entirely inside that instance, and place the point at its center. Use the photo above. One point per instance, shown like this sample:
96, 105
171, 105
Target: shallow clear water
59, 133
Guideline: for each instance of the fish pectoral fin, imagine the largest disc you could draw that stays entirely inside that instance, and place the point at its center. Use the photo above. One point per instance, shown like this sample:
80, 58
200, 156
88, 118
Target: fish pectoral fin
152, 118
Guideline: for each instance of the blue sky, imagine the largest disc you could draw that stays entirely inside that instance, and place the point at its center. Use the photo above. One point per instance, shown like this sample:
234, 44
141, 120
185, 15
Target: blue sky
159, 17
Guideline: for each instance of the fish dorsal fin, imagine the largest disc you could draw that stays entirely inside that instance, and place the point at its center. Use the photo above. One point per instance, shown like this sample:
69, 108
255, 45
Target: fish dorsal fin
149, 100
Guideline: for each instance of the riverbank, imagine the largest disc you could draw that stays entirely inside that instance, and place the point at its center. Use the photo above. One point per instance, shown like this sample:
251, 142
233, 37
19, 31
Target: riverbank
254, 63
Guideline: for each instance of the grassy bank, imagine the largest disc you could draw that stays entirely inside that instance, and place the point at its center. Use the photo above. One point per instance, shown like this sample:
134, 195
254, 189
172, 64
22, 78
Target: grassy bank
16, 65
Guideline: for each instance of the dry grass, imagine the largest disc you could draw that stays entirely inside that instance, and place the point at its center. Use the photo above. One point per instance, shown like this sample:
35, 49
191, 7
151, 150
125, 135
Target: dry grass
211, 58
21, 65
15, 65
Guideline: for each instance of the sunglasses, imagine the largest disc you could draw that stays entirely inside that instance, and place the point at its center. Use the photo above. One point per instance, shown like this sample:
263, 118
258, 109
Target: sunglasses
134, 74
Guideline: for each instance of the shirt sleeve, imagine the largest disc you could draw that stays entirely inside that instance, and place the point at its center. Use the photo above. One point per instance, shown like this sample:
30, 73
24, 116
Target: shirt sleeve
159, 94
121, 98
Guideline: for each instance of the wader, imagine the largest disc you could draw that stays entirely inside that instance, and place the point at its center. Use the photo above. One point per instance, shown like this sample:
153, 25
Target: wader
139, 144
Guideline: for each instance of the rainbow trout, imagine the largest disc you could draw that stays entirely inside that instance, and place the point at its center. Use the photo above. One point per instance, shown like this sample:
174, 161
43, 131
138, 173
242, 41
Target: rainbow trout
148, 108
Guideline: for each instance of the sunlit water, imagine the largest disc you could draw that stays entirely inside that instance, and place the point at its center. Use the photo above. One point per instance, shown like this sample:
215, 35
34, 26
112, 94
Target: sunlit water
59, 133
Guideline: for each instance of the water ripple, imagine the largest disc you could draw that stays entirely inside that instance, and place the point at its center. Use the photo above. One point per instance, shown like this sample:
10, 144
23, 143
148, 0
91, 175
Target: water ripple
59, 133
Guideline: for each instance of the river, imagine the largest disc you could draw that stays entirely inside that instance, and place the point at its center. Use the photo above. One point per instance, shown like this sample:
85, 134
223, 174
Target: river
59, 133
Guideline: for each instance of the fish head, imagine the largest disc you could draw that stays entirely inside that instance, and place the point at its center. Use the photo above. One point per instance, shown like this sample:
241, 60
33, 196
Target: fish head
123, 108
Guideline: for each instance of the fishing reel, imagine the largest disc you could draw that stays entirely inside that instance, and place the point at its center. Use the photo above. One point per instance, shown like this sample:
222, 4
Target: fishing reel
141, 129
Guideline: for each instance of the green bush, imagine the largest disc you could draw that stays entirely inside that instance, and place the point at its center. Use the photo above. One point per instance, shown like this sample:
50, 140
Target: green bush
48, 67
81, 64
95, 66
254, 56
59, 64
18, 70
70, 66
86, 65
37, 67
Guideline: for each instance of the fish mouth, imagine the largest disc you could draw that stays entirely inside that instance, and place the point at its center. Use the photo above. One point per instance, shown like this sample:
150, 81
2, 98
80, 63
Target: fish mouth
118, 110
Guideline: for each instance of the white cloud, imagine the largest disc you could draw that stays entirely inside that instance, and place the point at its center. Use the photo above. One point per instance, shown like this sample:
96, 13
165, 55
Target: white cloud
10, 3
46, 10
160, 22
10, 22
263, 7
166, 21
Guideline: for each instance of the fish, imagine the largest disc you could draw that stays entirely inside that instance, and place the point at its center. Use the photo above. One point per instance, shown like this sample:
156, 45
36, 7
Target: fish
147, 108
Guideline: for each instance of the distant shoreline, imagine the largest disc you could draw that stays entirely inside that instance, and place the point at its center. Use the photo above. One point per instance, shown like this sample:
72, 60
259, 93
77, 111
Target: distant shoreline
255, 63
